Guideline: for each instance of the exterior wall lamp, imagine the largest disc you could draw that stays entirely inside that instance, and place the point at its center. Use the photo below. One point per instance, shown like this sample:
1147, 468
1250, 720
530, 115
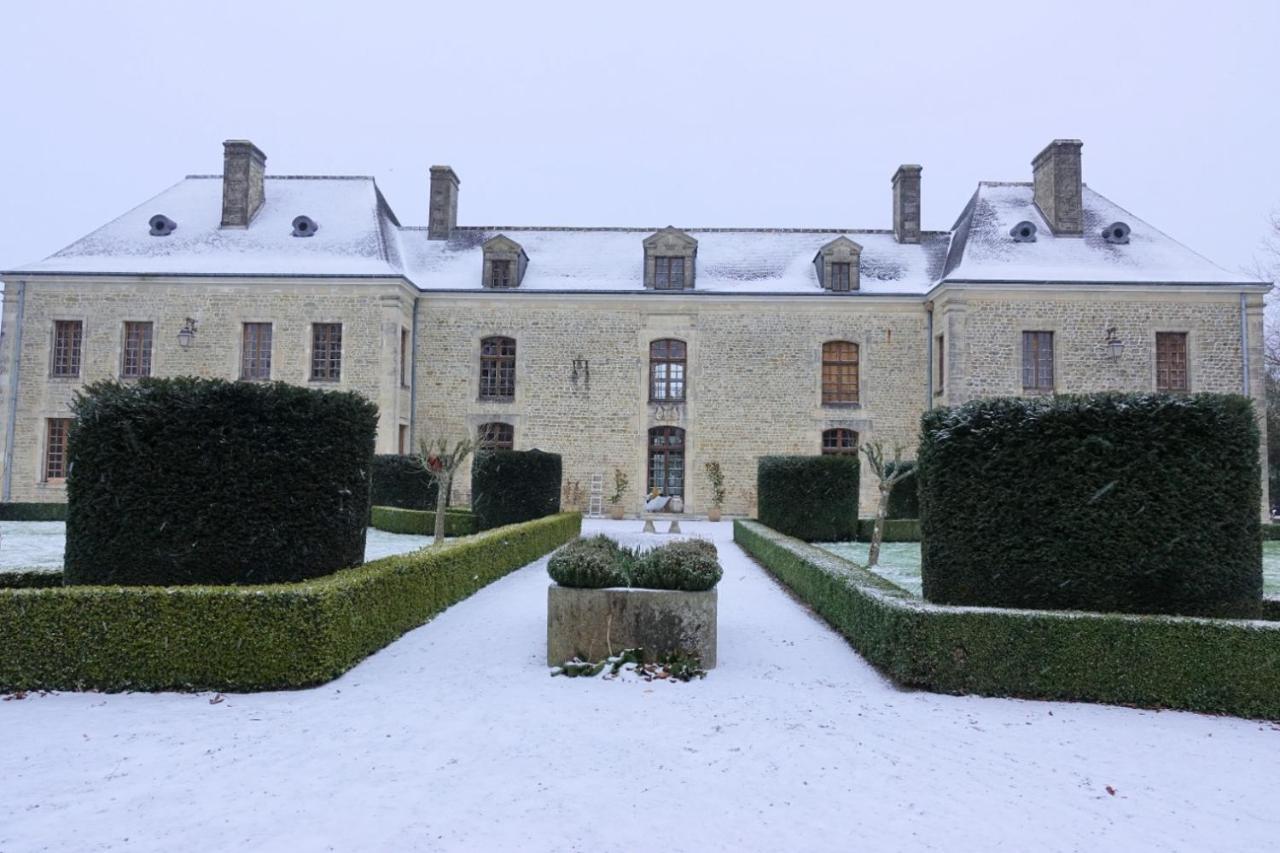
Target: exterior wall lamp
186, 333
1115, 346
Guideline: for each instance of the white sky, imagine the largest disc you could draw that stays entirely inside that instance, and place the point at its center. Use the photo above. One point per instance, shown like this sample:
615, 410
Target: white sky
694, 114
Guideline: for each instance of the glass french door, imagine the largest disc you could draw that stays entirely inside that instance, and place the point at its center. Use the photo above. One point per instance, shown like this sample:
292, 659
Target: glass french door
666, 461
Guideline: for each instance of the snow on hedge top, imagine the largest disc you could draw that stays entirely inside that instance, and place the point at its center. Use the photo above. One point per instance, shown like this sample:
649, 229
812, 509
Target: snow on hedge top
728, 261
348, 241
983, 250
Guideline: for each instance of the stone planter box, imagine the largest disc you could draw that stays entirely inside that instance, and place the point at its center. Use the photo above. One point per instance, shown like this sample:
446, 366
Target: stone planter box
593, 623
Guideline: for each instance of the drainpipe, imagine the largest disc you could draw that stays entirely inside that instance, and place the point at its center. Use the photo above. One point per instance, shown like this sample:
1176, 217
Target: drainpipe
928, 355
1244, 341
413, 373
15, 371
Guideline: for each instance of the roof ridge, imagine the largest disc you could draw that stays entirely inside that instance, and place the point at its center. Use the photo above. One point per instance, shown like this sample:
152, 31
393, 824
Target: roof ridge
294, 177
637, 230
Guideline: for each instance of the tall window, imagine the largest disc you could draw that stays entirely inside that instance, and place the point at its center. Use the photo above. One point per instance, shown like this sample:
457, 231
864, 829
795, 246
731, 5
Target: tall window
839, 373
1037, 362
67, 337
497, 369
404, 440
839, 442
55, 448
499, 273
326, 352
666, 461
496, 436
255, 354
668, 273
404, 358
1171, 361
839, 276
940, 378
667, 359
136, 359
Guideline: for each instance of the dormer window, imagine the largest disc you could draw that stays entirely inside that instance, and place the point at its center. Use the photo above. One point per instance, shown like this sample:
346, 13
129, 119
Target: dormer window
504, 263
670, 258
837, 265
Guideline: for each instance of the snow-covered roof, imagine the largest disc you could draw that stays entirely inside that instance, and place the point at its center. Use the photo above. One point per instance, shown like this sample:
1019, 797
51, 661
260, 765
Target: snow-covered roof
982, 249
359, 235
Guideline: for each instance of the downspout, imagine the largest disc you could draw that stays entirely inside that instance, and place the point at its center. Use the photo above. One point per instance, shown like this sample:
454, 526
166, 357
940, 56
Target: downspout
1244, 342
15, 371
928, 357
413, 372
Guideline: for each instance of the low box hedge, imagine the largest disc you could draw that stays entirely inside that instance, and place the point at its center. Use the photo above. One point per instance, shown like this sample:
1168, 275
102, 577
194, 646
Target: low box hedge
243, 638
895, 529
1192, 663
457, 522
30, 578
33, 512
1271, 532
814, 498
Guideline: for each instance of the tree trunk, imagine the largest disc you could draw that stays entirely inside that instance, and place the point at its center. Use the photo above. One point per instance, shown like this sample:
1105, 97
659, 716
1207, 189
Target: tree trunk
877, 533
443, 487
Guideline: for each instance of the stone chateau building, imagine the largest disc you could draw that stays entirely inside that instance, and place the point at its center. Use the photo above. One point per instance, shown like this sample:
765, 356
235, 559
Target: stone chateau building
648, 350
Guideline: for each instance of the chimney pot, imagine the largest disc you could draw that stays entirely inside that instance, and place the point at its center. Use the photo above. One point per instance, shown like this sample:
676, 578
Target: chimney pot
443, 214
1058, 187
243, 168
906, 204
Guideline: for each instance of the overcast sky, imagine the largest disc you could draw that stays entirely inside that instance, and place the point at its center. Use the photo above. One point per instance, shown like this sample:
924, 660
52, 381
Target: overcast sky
695, 114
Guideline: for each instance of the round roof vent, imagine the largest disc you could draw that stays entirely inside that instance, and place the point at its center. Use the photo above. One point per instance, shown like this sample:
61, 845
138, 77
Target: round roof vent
161, 225
1023, 232
1116, 232
304, 226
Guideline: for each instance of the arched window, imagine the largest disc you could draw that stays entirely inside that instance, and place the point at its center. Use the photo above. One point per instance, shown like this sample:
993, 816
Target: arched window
497, 369
496, 436
839, 442
666, 461
839, 373
667, 361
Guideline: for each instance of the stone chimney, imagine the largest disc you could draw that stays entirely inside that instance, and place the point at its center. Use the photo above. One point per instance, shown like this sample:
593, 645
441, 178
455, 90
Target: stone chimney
906, 204
443, 216
1058, 187
243, 166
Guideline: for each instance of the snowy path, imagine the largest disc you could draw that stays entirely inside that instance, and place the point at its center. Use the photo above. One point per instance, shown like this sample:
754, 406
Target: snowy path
455, 738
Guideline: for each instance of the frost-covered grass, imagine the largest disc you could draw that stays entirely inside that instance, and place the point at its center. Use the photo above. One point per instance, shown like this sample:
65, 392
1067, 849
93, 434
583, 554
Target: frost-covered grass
455, 737
39, 544
900, 562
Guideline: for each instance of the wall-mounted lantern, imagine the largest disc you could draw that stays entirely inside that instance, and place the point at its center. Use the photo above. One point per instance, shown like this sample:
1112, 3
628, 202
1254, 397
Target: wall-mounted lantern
581, 371
1115, 346
187, 333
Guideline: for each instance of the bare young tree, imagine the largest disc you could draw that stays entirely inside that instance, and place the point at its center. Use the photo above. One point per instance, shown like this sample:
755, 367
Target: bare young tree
443, 459
887, 479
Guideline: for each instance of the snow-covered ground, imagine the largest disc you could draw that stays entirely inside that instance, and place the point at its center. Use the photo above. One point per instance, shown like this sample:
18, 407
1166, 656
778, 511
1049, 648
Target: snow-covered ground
455, 738
39, 544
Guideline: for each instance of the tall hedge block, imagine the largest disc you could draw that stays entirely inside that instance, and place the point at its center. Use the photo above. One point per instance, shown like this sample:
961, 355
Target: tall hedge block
1135, 503
814, 498
401, 480
204, 481
511, 486
904, 500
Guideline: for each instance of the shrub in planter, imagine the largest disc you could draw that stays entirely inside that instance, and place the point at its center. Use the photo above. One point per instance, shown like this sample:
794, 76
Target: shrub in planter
814, 498
600, 562
186, 481
1139, 503
904, 500
511, 486
401, 481
594, 563
689, 566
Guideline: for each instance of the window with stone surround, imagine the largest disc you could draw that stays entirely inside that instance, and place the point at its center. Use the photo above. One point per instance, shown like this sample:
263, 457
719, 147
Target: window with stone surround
68, 336
404, 358
668, 273
1171, 362
667, 362
836, 265
496, 436
326, 352
839, 373
839, 442
940, 371
504, 263
55, 449
135, 360
500, 274
497, 369
840, 277
1037, 362
670, 260
255, 352
403, 443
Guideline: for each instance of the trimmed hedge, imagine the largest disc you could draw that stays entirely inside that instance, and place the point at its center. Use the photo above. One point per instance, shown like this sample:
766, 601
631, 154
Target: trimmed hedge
1210, 665
895, 529
600, 563
1136, 503
245, 638
401, 481
510, 486
1270, 532
457, 522
904, 500
30, 579
33, 512
814, 498
185, 481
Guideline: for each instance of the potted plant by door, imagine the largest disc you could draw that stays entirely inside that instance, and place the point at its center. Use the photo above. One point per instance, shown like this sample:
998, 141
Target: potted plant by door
716, 479
619, 489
